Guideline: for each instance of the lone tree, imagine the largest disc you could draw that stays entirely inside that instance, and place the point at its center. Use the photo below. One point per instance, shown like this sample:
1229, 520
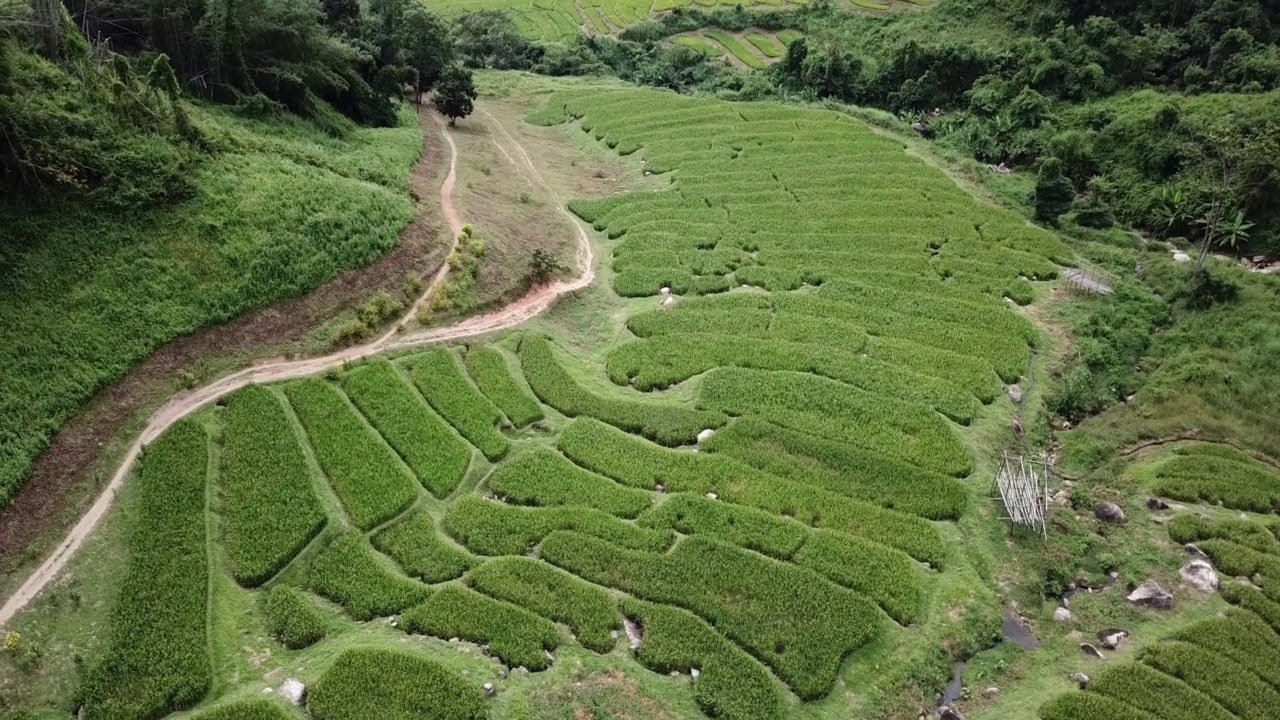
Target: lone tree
456, 94
1054, 192
542, 266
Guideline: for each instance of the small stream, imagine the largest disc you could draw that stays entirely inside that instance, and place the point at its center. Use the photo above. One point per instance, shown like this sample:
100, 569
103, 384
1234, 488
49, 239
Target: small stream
1013, 630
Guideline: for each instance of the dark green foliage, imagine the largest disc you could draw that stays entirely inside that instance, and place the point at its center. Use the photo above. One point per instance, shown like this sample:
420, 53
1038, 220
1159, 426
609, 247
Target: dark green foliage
1242, 637
488, 368
157, 659
745, 526
1053, 193
272, 510
1231, 685
442, 382
883, 574
800, 624
420, 551
1244, 485
1238, 560
731, 684
247, 710
456, 94
513, 634
553, 594
845, 469
292, 618
1166, 697
493, 528
351, 574
1088, 706
544, 478
1260, 603
665, 424
380, 684
1190, 528
419, 436
365, 474
633, 461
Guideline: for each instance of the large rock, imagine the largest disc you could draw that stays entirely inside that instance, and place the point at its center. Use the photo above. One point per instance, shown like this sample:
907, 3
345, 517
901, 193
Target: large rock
1062, 615
1111, 638
1155, 503
705, 435
1015, 394
1200, 575
1091, 651
634, 634
1109, 512
1080, 679
294, 691
1150, 594
946, 713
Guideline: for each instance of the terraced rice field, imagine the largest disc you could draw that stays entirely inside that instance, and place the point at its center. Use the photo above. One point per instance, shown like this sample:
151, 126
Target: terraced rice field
840, 315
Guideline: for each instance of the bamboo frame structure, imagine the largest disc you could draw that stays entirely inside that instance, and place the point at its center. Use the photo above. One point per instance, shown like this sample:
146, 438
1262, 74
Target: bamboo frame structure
1023, 488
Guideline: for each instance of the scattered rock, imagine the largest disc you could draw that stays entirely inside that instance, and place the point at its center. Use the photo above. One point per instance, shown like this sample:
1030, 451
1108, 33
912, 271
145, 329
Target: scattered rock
694, 672
712, 496
946, 713
1091, 651
631, 381
550, 657
634, 634
660, 488
1109, 512
1181, 257
267, 690
1200, 575
1160, 519
1155, 503
665, 291
1062, 615
502, 669
1015, 393
1194, 551
294, 691
490, 690
1062, 498
1151, 594
667, 302
991, 692
1080, 679
522, 670
453, 639
705, 435
1111, 638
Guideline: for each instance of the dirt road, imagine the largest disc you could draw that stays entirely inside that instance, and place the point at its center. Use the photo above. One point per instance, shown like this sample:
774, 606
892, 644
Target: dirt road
185, 403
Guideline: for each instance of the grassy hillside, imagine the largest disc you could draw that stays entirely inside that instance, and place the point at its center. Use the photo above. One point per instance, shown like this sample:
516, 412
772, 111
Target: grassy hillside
279, 208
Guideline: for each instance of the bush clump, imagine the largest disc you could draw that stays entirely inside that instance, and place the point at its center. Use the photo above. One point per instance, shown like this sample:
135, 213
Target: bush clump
292, 618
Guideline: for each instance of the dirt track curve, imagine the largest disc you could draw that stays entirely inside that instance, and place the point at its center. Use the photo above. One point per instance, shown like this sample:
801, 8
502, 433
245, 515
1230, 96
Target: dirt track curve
185, 403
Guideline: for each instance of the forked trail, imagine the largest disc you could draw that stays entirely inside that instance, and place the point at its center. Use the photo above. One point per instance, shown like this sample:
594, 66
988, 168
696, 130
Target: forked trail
185, 403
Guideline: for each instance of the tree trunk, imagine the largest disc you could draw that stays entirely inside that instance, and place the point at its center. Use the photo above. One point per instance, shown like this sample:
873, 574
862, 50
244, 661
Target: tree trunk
453, 121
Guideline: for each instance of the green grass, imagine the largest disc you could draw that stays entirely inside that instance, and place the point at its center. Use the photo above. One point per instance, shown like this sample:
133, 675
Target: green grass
247, 710
554, 594
442, 382
489, 369
351, 574
157, 661
368, 683
700, 45
281, 209
292, 618
544, 478
365, 473
492, 528
764, 44
512, 633
415, 545
786, 37
271, 507
736, 48
425, 442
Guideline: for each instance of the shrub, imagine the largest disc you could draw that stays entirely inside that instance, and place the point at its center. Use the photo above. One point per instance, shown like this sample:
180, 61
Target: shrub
493, 528
365, 474
292, 618
272, 511
797, 622
439, 377
839, 412
157, 658
1233, 687
544, 478
350, 573
515, 635
488, 368
665, 424
730, 685
845, 469
553, 594
420, 551
426, 443
379, 684
1165, 697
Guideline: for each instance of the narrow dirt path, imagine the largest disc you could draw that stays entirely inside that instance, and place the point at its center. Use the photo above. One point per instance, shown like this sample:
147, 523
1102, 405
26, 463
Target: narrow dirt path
183, 404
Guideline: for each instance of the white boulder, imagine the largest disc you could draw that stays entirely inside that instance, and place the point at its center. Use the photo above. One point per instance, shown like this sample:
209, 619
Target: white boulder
1200, 575
294, 691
